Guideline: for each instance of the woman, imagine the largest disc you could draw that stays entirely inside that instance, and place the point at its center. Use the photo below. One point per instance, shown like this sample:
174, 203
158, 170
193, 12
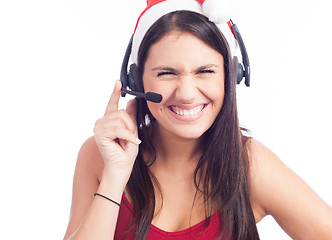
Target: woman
182, 169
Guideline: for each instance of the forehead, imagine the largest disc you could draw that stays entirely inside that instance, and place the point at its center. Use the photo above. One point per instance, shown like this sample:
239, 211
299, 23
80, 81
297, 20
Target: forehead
182, 46
176, 36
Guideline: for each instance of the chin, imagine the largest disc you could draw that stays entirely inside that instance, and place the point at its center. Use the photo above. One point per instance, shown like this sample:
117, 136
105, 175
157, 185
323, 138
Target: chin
187, 132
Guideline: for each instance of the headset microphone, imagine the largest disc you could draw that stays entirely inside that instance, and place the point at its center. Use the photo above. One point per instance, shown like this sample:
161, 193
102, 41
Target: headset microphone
128, 79
149, 96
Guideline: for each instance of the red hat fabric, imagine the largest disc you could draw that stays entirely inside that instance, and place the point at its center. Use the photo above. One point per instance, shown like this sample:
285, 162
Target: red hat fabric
215, 10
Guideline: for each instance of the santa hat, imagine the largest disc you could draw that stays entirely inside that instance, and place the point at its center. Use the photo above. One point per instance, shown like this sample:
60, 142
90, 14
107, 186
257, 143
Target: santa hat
217, 11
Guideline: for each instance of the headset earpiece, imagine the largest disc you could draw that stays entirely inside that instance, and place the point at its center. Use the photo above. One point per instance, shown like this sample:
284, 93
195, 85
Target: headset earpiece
239, 70
133, 77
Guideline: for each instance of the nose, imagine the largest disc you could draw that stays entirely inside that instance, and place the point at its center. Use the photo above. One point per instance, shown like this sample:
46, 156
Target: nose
186, 89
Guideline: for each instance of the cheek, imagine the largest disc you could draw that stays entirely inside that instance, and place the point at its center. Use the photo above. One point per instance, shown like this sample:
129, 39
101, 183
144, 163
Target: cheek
219, 89
161, 87
215, 92
166, 92
154, 108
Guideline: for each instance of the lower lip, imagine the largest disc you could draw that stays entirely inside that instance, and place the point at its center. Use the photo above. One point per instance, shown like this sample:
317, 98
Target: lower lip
188, 118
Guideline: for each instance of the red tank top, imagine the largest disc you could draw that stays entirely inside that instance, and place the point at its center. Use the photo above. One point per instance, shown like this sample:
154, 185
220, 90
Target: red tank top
196, 232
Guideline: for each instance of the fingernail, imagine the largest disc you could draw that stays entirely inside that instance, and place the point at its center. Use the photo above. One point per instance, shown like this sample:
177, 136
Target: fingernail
138, 141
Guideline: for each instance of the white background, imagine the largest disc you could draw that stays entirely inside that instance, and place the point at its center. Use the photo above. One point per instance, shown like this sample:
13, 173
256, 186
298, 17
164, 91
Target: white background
58, 63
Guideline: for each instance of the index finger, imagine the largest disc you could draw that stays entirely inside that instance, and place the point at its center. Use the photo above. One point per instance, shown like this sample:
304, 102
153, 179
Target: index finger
113, 103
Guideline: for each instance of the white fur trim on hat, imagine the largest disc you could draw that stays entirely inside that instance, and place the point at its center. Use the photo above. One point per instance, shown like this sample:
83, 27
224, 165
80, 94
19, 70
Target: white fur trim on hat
209, 9
218, 11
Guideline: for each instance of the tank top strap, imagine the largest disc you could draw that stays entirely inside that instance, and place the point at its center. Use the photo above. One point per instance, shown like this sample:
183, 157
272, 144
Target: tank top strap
245, 139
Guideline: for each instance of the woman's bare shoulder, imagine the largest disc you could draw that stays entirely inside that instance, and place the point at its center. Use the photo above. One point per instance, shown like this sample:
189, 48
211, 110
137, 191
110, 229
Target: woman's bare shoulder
89, 156
278, 191
258, 156
261, 158
266, 172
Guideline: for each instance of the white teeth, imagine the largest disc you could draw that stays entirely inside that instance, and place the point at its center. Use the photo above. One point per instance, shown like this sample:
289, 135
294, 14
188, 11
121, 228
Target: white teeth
185, 112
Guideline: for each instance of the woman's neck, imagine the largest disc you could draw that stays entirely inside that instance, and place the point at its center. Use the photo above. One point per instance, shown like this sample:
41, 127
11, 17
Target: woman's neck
174, 151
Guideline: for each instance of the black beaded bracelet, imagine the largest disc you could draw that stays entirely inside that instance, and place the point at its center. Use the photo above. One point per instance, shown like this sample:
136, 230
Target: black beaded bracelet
97, 194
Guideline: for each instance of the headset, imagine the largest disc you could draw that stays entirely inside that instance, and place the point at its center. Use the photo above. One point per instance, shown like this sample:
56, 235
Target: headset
128, 78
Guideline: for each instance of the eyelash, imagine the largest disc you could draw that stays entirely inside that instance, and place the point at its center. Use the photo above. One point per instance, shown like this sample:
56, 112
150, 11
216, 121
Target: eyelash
171, 73
164, 73
206, 71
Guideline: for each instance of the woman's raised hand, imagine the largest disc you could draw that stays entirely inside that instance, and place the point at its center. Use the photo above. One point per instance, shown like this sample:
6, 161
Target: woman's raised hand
116, 133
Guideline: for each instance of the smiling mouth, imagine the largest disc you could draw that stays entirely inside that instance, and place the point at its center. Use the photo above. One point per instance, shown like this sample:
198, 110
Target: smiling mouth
187, 112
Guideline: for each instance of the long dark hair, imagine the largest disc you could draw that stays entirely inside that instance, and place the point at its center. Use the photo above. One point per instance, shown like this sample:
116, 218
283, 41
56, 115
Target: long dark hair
224, 160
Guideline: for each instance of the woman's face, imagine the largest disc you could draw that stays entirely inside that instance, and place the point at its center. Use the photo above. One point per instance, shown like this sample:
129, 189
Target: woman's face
190, 76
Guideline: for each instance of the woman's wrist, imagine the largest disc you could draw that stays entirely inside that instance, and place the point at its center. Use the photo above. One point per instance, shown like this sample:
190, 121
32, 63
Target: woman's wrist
113, 183
119, 173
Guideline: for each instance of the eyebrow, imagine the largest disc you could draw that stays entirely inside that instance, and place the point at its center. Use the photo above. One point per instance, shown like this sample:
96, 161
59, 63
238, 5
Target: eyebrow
164, 69
207, 66
174, 70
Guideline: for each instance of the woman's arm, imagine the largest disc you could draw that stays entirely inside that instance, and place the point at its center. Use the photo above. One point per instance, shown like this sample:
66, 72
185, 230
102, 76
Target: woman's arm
93, 217
110, 154
278, 191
